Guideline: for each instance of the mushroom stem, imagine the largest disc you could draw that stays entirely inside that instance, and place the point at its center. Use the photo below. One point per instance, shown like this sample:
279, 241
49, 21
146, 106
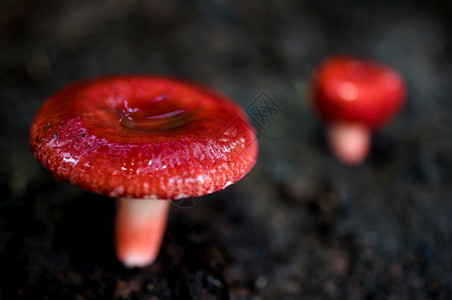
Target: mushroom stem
139, 228
349, 141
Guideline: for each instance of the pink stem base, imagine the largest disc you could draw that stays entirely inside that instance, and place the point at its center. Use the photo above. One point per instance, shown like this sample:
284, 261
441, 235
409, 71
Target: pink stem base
350, 142
139, 228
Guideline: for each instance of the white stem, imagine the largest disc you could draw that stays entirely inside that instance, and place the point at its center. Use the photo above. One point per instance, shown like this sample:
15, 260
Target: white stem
139, 228
349, 141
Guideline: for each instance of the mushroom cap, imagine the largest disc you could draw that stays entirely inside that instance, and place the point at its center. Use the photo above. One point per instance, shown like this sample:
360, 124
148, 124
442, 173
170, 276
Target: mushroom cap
357, 90
143, 137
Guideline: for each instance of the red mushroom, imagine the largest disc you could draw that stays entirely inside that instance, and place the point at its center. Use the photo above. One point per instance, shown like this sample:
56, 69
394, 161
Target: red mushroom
355, 96
144, 140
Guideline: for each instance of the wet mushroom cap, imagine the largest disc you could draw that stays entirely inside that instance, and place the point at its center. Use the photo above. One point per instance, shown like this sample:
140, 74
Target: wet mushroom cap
143, 137
361, 90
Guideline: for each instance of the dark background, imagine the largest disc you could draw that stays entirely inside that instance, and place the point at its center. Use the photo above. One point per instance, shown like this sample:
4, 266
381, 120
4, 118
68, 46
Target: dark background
301, 225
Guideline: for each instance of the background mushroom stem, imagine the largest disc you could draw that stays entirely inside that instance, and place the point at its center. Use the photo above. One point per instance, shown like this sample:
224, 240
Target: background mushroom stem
139, 228
350, 141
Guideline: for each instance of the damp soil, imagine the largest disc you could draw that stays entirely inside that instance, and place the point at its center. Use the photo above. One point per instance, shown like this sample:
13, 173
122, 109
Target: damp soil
301, 225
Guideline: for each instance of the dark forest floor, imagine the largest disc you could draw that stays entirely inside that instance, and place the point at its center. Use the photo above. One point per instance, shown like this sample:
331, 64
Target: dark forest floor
301, 225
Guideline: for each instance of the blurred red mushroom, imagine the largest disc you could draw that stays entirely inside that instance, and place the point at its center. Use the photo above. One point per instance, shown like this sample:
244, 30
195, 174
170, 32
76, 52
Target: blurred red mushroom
355, 96
144, 140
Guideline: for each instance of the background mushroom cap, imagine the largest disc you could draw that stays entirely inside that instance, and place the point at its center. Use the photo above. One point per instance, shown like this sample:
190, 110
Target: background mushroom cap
353, 89
143, 137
